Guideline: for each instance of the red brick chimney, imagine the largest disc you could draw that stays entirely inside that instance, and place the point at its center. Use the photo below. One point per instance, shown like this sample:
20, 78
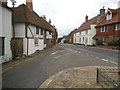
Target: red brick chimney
102, 11
29, 3
4, 2
86, 18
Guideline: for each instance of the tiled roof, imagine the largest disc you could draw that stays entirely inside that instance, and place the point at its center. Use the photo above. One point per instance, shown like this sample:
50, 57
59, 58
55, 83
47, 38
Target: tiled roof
115, 17
24, 14
86, 25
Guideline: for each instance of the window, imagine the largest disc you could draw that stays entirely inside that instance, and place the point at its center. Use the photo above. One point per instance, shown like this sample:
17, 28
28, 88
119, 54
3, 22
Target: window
36, 41
86, 32
109, 15
118, 26
104, 29
37, 30
49, 32
41, 31
79, 33
1, 46
117, 38
79, 39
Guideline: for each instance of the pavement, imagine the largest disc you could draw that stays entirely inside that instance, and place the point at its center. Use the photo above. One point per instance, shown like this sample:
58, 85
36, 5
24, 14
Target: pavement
33, 71
78, 77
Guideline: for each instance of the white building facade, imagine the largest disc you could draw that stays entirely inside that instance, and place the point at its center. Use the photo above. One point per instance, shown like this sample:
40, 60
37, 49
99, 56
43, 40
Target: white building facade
86, 36
5, 33
31, 37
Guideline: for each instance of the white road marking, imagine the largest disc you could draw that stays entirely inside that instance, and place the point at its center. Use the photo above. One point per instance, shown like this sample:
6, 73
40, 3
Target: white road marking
54, 52
105, 60
49, 82
97, 57
113, 62
60, 55
91, 55
57, 56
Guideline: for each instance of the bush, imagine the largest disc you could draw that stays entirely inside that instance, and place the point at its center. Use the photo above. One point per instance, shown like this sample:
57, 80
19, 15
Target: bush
99, 42
114, 43
14, 48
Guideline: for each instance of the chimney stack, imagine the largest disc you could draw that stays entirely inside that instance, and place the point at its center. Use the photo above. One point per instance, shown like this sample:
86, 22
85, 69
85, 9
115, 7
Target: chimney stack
29, 3
44, 17
4, 2
86, 18
119, 4
102, 11
50, 21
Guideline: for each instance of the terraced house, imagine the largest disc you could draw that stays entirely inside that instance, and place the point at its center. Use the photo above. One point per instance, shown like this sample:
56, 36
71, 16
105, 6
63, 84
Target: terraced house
108, 30
5, 32
85, 33
32, 32
23, 31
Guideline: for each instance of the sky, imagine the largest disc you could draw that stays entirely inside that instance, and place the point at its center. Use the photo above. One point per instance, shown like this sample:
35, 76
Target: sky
68, 15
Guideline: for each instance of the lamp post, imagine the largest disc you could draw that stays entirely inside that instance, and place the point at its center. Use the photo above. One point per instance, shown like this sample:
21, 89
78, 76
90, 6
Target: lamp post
13, 3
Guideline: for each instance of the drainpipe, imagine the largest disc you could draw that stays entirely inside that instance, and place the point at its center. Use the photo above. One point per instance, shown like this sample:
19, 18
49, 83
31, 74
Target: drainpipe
26, 35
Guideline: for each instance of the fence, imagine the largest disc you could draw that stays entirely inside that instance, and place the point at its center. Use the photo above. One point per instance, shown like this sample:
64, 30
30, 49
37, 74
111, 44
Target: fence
108, 78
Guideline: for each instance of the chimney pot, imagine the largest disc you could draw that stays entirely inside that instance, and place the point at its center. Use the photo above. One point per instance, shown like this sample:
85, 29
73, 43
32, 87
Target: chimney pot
86, 18
29, 3
50, 21
44, 17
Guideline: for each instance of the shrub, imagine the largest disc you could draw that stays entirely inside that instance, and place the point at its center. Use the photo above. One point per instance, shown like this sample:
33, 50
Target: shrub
114, 43
99, 42
14, 48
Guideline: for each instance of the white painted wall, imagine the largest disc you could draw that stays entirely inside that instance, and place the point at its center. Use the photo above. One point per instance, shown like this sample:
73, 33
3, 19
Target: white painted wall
20, 33
49, 36
6, 32
20, 30
33, 30
76, 39
33, 47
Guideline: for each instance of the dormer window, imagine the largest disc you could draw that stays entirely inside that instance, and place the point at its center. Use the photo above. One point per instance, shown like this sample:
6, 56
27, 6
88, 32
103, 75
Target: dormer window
109, 15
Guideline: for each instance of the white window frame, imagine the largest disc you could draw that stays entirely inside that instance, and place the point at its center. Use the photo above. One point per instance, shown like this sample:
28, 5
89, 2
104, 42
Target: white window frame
104, 29
117, 25
109, 15
37, 31
36, 42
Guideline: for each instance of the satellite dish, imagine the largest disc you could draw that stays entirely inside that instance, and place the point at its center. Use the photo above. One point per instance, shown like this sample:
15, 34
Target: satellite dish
13, 1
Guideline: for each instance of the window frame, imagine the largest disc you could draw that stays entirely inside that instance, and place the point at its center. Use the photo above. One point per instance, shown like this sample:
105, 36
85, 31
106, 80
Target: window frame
2, 46
104, 28
116, 26
37, 30
109, 15
41, 31
36, 41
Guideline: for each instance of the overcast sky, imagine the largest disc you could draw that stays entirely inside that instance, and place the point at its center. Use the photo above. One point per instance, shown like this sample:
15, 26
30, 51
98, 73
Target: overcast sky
67, 15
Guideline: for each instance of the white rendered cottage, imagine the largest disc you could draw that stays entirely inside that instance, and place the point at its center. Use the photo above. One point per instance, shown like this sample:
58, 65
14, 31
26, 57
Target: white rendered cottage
5, 33
31, 31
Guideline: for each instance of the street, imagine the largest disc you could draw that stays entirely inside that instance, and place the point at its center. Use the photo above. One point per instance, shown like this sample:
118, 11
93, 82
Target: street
33, 73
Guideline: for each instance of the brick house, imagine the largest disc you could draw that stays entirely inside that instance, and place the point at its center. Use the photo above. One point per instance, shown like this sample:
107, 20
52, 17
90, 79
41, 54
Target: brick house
71, 36
108, 30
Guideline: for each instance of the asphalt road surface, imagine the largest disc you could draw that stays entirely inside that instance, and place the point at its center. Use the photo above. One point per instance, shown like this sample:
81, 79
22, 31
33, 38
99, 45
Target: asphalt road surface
33, 73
